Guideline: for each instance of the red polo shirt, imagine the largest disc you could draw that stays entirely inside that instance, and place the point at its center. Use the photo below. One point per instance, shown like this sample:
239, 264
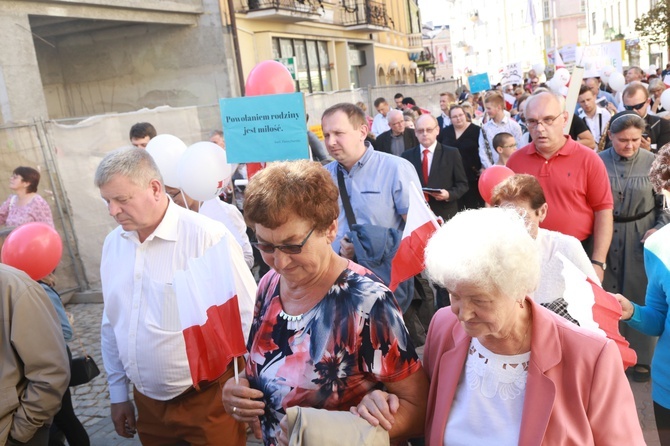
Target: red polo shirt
574, 181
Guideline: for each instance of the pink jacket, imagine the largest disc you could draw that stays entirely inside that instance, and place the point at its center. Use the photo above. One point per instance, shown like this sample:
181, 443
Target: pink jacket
576, 393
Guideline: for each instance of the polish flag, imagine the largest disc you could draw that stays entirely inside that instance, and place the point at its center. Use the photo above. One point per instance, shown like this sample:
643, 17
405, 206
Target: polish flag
594, 308
209, 313
419, 227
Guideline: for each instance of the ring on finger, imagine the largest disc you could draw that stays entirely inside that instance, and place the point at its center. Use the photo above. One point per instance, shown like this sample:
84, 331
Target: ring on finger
234, 409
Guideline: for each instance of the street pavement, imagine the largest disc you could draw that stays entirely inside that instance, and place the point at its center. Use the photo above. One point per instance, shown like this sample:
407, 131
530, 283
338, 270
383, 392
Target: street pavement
91, 401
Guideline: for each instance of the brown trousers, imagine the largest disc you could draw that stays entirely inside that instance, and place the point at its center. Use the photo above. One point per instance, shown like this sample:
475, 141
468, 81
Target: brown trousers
192, 418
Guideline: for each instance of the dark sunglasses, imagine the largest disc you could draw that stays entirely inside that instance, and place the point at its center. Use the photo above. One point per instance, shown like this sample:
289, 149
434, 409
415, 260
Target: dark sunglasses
635, 107
269, 248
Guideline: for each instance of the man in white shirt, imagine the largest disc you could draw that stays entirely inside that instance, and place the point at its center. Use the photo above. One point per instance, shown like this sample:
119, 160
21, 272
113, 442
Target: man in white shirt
218, 210
595, 117
142, 340
380, 123
498, 122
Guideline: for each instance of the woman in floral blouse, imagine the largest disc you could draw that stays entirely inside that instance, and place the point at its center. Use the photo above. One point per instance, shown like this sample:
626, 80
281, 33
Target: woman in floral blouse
326, 331
25, 206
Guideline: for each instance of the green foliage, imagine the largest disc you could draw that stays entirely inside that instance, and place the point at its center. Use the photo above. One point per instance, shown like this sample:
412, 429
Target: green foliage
654, 26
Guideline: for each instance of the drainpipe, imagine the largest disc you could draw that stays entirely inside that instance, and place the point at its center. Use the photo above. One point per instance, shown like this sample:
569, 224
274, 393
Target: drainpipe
236, 46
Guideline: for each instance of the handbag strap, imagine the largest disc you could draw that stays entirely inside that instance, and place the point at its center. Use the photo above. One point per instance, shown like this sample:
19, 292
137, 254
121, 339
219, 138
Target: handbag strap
348, 210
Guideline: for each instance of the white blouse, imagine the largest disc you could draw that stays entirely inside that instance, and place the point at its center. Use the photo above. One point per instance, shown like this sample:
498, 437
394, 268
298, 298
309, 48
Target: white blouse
488, 403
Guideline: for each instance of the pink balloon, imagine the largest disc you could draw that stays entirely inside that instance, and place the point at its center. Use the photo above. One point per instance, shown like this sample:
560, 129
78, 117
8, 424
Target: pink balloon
492, 177
269, 77
34, 248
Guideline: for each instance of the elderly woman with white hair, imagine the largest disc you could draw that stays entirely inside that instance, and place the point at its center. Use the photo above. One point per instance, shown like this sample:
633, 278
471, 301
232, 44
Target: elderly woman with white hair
502, 369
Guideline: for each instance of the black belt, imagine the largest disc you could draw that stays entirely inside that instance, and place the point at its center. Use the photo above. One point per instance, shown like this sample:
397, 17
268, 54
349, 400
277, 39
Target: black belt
618, 219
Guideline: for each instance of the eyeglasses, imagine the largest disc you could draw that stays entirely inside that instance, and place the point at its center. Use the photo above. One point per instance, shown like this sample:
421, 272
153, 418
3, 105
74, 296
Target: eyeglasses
269, 248
546, 121
635, 107
422, 131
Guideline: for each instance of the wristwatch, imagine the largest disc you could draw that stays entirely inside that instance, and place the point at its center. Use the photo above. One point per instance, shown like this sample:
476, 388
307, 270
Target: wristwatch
600, 264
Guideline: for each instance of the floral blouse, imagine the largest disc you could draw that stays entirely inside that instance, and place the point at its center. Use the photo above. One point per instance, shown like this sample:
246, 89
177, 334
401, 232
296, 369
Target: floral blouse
37, 210
346, 345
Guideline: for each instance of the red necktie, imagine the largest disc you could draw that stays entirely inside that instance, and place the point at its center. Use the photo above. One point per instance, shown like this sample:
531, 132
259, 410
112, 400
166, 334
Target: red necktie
424, 168
424, 165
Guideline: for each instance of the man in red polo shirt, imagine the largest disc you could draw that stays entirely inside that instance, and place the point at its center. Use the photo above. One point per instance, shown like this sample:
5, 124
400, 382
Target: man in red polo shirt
573, 177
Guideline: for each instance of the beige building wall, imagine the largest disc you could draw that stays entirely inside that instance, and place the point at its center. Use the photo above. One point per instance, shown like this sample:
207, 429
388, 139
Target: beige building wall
383, 47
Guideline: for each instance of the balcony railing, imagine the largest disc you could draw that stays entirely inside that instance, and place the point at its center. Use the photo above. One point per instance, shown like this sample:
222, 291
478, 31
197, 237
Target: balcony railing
298, 6
366, 14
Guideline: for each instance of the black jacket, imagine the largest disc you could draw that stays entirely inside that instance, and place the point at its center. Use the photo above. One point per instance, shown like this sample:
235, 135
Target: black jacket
383, 141
446, 172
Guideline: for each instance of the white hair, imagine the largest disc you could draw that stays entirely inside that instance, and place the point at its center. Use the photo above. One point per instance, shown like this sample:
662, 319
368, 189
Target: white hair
488, 248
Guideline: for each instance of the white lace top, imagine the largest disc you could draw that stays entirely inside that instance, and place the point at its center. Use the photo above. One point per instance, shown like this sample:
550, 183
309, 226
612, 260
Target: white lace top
488, 403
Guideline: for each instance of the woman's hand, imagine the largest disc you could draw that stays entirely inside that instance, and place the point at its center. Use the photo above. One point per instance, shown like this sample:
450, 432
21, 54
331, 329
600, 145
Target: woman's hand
378, 408
239, 400
647, 234
627, 308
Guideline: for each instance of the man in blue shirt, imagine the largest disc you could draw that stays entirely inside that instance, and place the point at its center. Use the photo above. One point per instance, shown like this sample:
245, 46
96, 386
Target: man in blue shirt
377, 182
377, 185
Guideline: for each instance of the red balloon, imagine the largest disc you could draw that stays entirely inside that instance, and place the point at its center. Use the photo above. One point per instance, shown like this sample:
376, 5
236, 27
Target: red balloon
34, 248
269, 77
492, 177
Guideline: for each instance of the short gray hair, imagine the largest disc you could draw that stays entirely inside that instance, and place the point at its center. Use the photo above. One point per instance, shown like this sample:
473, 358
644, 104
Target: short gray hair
135, 164
488, 248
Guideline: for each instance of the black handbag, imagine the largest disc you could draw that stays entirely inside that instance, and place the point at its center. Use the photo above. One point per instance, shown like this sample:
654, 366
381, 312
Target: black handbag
82, 370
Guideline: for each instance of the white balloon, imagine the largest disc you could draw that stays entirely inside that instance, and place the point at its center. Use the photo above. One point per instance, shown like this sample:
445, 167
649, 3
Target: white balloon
665, 99
617, 81
554, 85
651, 70
538, 68
204, 171
166, 151
563, 76
606, 72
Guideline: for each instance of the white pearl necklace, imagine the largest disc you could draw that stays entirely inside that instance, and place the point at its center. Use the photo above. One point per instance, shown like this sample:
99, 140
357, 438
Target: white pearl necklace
288, 317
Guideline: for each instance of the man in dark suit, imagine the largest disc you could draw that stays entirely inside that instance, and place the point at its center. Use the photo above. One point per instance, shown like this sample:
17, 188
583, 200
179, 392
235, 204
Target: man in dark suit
443, 166
399, 138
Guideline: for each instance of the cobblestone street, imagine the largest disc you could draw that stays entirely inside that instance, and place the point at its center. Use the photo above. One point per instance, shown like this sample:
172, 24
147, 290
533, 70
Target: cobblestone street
91, 401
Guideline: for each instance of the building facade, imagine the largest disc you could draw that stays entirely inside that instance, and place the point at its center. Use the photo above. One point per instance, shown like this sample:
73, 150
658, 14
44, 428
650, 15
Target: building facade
609, 20
333, 45
74, 58
437, 53
489, 34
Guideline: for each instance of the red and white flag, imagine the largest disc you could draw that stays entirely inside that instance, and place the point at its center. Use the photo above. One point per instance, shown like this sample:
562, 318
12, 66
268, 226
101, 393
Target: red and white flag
594, 308
209, 313
420, 225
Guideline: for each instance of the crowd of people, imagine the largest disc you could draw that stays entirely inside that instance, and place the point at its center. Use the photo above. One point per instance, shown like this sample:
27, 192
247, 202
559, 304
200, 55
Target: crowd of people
486, 345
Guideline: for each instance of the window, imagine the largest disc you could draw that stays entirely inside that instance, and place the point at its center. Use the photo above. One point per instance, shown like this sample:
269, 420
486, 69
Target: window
593, 22
312, 62
545, 9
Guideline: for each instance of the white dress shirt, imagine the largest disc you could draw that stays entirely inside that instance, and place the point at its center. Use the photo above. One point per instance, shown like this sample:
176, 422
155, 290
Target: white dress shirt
598, 123
142, 339
492, 128
379, 125
230, 216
